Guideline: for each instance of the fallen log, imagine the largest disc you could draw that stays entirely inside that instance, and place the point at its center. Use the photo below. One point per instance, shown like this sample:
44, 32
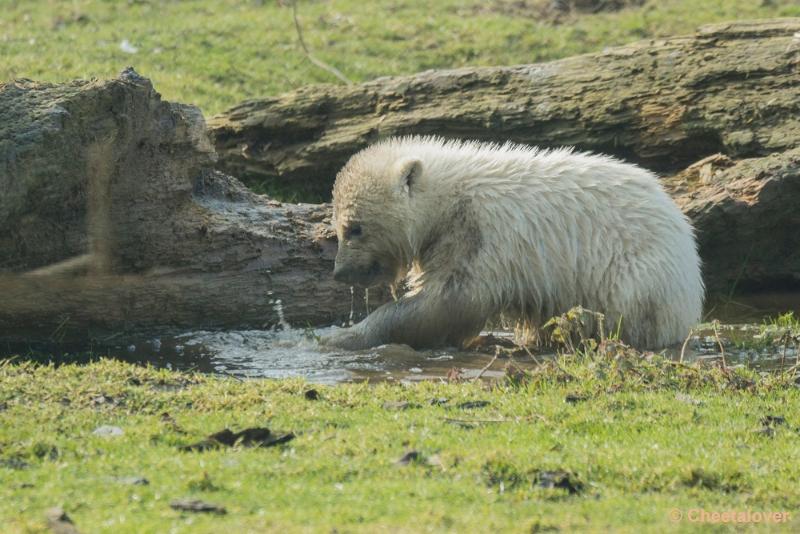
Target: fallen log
747, 219
113, 220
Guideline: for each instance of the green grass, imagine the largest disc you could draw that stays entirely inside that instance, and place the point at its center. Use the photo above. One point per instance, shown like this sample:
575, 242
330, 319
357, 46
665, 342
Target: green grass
215, 53
644, 437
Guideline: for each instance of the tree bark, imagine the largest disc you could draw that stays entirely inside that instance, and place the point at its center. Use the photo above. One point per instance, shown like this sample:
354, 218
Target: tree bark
746, 215
113, 220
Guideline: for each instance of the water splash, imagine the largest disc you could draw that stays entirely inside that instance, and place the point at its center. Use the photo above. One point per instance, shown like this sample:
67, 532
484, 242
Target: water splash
352, 306
277, 307
296, 352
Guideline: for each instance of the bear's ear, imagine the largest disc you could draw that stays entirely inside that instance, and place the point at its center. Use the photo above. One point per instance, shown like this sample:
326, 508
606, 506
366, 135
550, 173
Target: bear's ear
410, 170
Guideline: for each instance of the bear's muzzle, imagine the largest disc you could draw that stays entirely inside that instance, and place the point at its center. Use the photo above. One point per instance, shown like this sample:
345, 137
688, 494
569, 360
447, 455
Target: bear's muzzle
357, 275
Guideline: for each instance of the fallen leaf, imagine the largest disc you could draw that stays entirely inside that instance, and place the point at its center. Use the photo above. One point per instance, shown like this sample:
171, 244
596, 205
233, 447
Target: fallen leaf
399, 405
103, 400
558, 479
773, 420
469, 405
409, 457
14, 463
767, 431
132, 481
249, 437
455, 375
516, 374
59, 522
196, 505
769, 423
168, 420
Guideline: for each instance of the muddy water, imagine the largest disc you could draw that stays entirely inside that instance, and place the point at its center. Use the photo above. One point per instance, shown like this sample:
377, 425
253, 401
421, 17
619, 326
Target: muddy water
273, 354
296, 353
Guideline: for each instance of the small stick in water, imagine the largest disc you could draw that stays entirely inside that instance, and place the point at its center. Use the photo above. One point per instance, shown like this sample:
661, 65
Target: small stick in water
719, 342
686, 342
488, 365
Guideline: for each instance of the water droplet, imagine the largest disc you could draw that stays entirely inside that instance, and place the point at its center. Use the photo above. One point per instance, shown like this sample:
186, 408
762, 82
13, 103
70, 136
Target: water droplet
352, 305
278, 308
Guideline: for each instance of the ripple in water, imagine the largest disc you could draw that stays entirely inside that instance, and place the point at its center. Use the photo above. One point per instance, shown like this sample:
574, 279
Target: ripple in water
296, 353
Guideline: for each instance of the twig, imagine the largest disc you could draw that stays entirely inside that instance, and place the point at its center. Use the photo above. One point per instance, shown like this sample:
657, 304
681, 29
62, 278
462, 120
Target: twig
58, 330
786, 337
476, 421
499, 420
488, 365
682, 366
227, 374
9, 360
534, 358
319, 63
715, 323
71, 266
686, 342
793, 368
794, 339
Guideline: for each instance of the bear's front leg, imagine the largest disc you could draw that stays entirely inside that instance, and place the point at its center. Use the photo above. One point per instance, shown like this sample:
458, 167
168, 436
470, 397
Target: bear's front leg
424, 320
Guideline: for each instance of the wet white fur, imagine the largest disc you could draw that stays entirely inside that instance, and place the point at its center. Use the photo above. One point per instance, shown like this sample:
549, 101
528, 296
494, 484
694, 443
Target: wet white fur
557, 228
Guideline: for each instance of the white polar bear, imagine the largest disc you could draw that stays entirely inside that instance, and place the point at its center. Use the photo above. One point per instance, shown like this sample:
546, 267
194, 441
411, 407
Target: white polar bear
484, 230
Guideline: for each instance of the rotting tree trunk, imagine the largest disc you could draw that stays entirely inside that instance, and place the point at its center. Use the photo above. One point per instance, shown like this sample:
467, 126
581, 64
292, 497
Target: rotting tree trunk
746, 214
732, 89
113, 220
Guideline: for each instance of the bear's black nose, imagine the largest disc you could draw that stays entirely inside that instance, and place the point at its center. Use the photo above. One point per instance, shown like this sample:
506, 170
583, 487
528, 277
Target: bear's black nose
342, 273
356, 274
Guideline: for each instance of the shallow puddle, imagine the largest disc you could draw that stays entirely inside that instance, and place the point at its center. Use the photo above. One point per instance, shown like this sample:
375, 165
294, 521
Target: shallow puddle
279, 354
296, 353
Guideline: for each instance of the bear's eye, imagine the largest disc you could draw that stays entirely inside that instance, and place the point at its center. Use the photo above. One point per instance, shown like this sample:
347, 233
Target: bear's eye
352, 231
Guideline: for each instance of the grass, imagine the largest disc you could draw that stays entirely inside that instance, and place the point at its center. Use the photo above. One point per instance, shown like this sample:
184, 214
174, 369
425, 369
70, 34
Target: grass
216, 53
630, 439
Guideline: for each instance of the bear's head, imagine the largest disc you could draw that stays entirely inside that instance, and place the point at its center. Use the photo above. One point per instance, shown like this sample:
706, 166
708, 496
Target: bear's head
373, 213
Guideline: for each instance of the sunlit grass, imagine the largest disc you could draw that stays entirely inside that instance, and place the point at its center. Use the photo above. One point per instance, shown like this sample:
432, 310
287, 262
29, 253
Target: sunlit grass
636, 436
217, 53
